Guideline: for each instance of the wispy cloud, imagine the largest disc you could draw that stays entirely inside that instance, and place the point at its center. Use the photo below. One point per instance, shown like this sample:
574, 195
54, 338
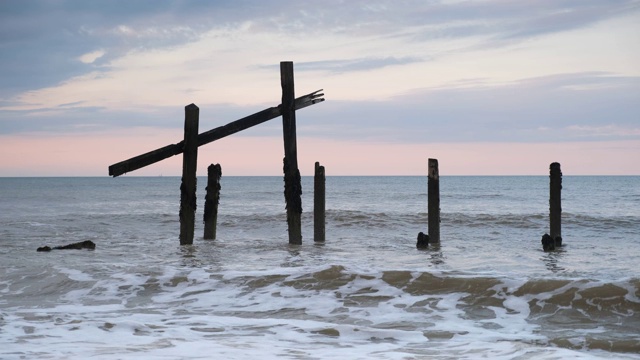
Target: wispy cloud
52, 34
561, 107
606, 131
544, 109
91, 57
350, 65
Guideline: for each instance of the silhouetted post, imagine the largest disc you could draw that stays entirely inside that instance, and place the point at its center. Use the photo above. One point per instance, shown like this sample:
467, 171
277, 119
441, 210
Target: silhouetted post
292, 181
189, 181
434, 201
319, 203
555, 208
211, 201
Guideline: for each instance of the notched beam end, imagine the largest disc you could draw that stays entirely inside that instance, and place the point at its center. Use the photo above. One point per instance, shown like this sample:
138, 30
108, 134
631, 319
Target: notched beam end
315, 93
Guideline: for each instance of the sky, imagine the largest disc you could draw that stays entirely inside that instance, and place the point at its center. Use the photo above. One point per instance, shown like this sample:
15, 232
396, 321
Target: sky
488, 87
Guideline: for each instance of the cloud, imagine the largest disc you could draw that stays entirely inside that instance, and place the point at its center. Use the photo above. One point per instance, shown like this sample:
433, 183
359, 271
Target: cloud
543, 109
349, 65
42, 40
363, 64
91, 57
615, 131
592, 106
74, 118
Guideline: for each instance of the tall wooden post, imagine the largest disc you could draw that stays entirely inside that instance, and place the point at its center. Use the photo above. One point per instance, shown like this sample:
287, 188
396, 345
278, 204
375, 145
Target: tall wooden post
555, 207
211, 201
434, 201
319, 218
189, 167
292, 181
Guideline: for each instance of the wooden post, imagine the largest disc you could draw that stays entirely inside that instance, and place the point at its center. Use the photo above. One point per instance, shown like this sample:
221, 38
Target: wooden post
434, 201
211, 201
555, 208
319, 218
292, 181
189, 180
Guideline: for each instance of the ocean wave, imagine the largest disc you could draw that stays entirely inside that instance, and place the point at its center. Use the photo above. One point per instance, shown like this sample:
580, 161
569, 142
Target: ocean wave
563, 310
600, 222
359, 311
487, 220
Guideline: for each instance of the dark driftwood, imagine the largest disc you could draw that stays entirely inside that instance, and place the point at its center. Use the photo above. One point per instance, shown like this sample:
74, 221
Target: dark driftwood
211, 201
319, 203
189, 180
168, 151
292, 181
434, 201
87, 244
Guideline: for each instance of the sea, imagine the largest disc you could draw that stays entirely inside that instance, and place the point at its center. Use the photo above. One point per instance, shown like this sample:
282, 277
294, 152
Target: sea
487, 291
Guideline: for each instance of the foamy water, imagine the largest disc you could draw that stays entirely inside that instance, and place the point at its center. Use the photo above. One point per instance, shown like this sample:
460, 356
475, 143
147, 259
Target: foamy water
487, 292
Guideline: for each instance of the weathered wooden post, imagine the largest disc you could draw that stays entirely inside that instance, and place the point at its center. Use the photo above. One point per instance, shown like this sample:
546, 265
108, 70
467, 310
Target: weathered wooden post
551, 242
319, 204
555, 207
189, 180
211, 201
434, 201
292, 181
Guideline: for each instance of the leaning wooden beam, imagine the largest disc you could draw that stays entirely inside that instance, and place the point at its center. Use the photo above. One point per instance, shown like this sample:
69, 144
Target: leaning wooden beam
168, 151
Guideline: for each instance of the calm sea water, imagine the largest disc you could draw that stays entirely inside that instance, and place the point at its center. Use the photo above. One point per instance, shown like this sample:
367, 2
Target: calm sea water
488, 291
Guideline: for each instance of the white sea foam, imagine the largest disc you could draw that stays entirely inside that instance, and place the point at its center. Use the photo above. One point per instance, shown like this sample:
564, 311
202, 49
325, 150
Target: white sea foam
184, 318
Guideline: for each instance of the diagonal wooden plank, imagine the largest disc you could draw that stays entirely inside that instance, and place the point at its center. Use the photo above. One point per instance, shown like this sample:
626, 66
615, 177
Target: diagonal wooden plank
212, 135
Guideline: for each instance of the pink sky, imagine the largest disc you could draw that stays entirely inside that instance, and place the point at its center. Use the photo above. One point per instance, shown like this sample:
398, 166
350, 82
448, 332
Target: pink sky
81, 155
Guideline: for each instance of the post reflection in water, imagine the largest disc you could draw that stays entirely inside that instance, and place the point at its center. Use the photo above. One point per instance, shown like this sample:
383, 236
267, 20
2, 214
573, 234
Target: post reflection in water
436, 255
189, 256
553, 259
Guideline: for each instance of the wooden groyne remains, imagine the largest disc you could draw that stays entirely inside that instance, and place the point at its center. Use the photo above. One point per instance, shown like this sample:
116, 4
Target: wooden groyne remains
189, 150
188, 147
